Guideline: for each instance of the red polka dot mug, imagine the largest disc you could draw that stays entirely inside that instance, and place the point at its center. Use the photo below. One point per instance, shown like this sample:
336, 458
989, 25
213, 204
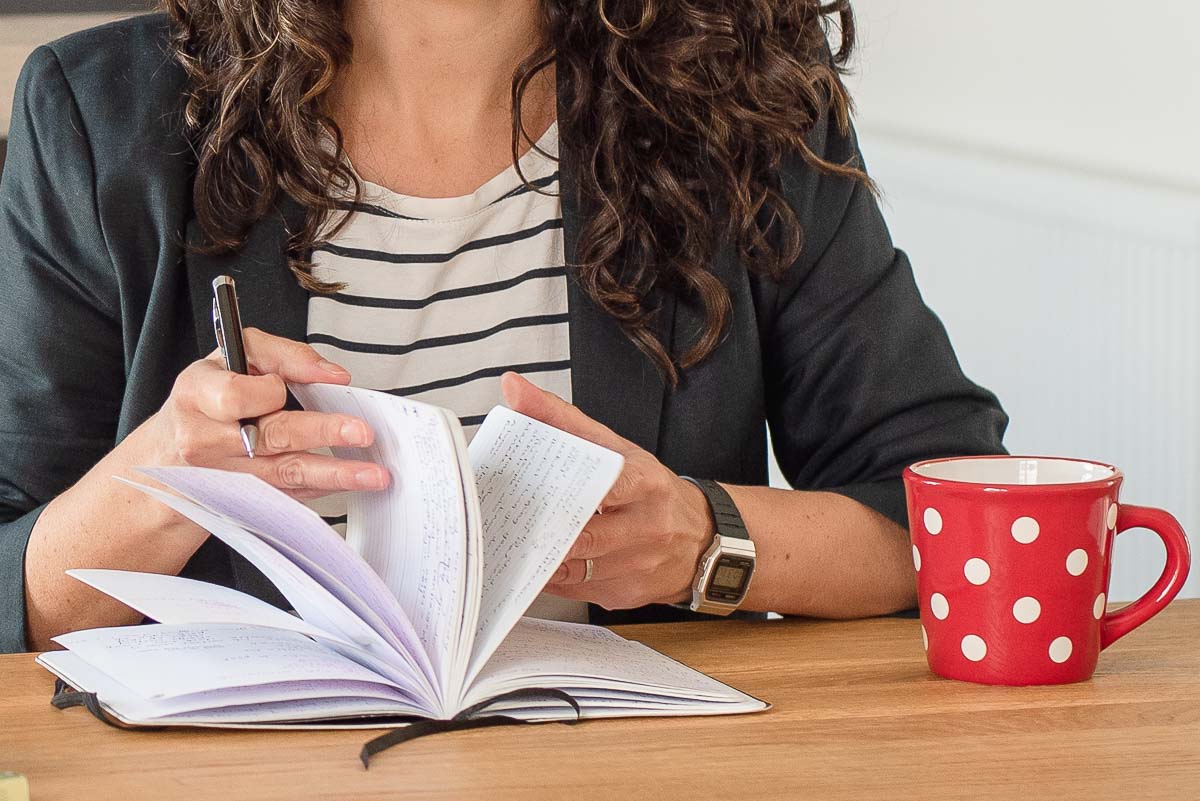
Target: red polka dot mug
1013, 558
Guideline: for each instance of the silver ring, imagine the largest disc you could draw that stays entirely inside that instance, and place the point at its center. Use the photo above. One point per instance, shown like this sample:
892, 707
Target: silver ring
588, 564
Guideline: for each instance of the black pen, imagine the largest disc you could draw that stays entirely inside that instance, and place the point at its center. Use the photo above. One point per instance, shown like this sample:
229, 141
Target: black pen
227, 322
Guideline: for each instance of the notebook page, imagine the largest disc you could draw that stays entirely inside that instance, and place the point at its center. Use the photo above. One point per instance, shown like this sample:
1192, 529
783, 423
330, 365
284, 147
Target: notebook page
122, 700
474, 570
414, 534
304, 710
591, 709
295, 529
174, 599
314, 603
163, 661
541, 653
537, 487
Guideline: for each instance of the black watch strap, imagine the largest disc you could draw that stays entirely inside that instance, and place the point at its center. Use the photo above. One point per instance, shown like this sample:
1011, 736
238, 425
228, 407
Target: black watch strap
725, 512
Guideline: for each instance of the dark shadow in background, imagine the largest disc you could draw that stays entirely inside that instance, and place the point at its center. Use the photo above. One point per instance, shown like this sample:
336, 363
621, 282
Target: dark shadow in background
71, 6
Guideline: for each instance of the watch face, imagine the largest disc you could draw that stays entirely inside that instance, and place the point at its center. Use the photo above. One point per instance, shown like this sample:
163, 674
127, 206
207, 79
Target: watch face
729, 579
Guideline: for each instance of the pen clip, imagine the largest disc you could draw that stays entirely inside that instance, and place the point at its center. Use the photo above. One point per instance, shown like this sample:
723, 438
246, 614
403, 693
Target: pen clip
216, 318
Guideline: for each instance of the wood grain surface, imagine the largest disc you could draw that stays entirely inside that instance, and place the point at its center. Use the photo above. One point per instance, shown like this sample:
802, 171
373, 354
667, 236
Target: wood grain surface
856, 715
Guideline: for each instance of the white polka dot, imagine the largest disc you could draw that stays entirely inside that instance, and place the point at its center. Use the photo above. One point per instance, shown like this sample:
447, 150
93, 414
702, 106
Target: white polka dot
1112, 515
933, 521
1060, 649
1027, 609
977, 571
1077, 562
939, 606
973, 647
1025, 530
924, 638
1098, 607
916, 559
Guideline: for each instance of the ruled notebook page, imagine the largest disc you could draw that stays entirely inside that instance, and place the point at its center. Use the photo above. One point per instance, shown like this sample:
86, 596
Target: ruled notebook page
607, 674
538, 486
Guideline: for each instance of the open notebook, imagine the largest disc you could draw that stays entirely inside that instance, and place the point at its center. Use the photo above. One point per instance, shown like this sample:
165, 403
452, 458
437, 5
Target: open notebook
416, 614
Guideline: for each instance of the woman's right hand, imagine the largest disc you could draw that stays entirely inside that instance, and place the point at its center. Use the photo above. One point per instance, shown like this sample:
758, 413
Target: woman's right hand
103, 523
198, 424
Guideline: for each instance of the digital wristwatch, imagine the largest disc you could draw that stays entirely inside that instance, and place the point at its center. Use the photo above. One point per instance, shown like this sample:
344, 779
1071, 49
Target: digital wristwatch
725, 569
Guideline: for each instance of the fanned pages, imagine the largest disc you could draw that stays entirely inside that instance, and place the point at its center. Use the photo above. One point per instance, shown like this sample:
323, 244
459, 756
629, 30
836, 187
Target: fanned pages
414, 533
417, 614
422, 533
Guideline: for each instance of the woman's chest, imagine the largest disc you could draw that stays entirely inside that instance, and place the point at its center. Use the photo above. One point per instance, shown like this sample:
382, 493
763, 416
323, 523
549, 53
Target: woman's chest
437, 307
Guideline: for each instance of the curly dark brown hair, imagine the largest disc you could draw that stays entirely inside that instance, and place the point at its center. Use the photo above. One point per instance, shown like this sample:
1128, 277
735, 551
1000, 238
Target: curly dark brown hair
678, 114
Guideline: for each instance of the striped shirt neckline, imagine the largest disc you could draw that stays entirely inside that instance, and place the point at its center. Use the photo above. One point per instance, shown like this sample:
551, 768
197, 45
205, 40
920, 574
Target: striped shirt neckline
539, 166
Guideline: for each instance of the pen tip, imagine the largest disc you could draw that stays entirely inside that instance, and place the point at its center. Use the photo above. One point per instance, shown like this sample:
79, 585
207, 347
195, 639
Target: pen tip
250, 439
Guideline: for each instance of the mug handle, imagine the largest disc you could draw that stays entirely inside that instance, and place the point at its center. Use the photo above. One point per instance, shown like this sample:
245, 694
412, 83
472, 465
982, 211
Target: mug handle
1179, 559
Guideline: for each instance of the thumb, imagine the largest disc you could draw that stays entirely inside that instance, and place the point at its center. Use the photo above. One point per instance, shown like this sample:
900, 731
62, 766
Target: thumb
524, 397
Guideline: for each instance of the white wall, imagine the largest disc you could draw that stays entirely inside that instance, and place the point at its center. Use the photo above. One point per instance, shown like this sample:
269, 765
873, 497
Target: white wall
1102, 85
20, 34
1040, 166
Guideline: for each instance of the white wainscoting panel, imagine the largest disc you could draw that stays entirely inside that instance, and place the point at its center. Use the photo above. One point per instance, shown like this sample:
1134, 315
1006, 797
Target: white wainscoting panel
1076, 298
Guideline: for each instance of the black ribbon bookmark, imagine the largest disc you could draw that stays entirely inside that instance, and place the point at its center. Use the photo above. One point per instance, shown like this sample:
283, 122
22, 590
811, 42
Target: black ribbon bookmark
467, 720
66, 697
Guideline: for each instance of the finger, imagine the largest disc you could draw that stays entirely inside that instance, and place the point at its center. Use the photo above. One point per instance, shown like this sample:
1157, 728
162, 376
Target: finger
221, 395
522, 396
623, 564
282, 432
203, 442
611, 594
309, 471
602, 535
570, 572
291, 360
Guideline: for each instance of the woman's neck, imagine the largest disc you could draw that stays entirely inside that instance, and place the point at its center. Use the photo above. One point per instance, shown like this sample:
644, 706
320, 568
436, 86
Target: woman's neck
425, 104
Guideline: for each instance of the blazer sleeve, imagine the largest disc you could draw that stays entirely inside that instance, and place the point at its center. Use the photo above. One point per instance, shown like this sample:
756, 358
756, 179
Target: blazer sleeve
61, 356
861, 377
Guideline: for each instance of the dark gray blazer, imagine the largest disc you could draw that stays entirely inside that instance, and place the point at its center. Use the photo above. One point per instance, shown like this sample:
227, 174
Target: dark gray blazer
102, 304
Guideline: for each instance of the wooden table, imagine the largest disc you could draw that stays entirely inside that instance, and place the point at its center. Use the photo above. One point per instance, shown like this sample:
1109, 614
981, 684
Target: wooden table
857, 716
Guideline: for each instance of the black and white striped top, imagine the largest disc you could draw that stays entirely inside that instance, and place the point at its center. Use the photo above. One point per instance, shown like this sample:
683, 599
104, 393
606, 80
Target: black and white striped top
444, 295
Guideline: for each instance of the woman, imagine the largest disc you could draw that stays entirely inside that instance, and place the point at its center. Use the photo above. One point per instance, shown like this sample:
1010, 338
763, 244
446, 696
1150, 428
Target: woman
703, 256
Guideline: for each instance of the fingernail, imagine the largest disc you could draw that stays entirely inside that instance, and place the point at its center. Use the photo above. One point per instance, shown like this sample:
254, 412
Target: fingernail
355, 433
369, 479
559, 575
332, 368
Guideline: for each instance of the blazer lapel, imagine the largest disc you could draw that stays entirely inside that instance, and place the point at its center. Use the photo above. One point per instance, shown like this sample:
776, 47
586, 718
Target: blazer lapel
611, 380
268, 294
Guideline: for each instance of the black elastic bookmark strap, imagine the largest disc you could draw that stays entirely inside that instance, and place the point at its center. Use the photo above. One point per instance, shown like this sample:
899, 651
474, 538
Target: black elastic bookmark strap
466, 720
65, 697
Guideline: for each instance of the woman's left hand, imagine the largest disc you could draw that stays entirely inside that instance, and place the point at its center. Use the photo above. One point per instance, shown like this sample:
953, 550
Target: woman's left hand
652, 528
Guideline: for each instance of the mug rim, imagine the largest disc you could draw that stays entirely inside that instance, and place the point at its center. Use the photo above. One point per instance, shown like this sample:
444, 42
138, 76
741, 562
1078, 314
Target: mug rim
910, 474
